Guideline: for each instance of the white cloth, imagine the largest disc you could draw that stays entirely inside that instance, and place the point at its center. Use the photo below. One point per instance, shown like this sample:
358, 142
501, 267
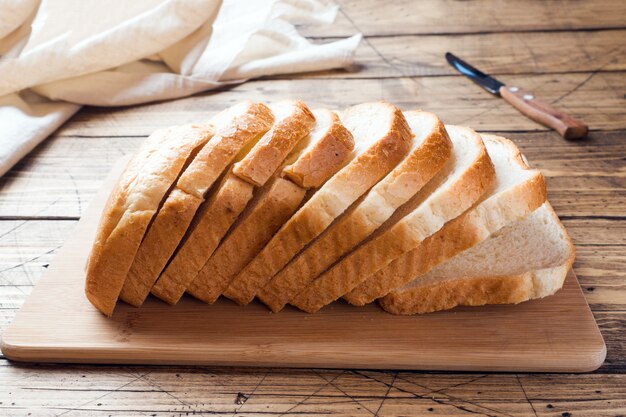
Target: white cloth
60, 54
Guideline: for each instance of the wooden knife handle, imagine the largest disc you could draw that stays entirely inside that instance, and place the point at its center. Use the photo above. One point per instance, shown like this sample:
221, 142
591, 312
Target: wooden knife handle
525, 102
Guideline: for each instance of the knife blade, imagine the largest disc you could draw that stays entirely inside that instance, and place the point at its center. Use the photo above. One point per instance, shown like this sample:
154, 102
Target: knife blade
525, 102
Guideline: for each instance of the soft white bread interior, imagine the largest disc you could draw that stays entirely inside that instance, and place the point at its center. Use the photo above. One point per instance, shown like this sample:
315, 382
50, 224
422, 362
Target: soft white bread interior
292, 122
525, 260
319, 157
430, 150
469, 175
518, 190
132, 205
382, 139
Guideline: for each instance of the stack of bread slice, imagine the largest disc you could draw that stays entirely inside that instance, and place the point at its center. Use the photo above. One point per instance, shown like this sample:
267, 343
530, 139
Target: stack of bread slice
303, 207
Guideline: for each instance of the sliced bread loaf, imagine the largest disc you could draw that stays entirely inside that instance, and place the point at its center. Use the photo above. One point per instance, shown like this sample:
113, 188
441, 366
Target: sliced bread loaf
469, 176
132, 205
293, 122
236, 129
430, 150
518, 191
382, 139
328, 147
525, 260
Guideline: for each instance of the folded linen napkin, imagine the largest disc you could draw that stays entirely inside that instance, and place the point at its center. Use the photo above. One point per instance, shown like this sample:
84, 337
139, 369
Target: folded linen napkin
57, 55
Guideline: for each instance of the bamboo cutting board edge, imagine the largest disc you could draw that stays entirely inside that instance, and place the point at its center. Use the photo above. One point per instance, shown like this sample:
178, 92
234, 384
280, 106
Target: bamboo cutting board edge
57, 324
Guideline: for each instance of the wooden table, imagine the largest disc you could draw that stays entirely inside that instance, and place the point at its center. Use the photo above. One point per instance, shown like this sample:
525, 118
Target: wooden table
571, 53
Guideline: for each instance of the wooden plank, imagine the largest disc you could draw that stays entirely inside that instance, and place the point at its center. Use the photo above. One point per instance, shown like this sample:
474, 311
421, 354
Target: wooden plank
449, 16
613, 324
601, 273
54, 181
594, 97
57, 324
494, 53
596, 231
26, 250
584, 178
101, 391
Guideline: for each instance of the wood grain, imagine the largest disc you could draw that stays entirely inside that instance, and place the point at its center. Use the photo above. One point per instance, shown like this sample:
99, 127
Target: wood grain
183, 390
596, 98
478, 16
494, 53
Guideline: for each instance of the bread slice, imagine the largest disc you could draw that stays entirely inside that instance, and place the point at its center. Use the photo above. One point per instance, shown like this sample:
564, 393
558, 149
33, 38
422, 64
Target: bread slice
329, 146
518, 191
478, 291
431, 148
132, 205
382, 139
236, 129
525, 260
469, 176
293, 122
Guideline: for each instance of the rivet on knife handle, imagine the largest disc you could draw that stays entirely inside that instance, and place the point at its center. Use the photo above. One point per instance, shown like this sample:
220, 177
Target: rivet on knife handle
567, 126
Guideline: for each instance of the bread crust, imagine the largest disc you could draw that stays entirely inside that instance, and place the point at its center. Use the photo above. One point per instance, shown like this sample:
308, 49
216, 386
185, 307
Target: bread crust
132, 205
316, 215
478, 291
216, 216
313, 166
172, 219
260, 163
467, 230
186, 264
402, 237
250, 235
404, 181
312, 169
237, 128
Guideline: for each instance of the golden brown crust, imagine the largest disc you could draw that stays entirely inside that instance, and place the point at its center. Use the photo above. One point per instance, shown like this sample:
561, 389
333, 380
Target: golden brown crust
314, 168
276, 203
249, 237
131, 207
236, 128
359, 222
467, 292
397, 240
261, 162
172, 219
311, 220
182, 270
477, 291
216, 216
467, 230
242, 125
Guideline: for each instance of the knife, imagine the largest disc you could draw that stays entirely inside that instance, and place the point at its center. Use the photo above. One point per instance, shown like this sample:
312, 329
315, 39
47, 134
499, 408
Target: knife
525, 102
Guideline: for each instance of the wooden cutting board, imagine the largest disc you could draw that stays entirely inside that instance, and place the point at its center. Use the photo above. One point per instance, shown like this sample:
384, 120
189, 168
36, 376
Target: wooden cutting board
57, 324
